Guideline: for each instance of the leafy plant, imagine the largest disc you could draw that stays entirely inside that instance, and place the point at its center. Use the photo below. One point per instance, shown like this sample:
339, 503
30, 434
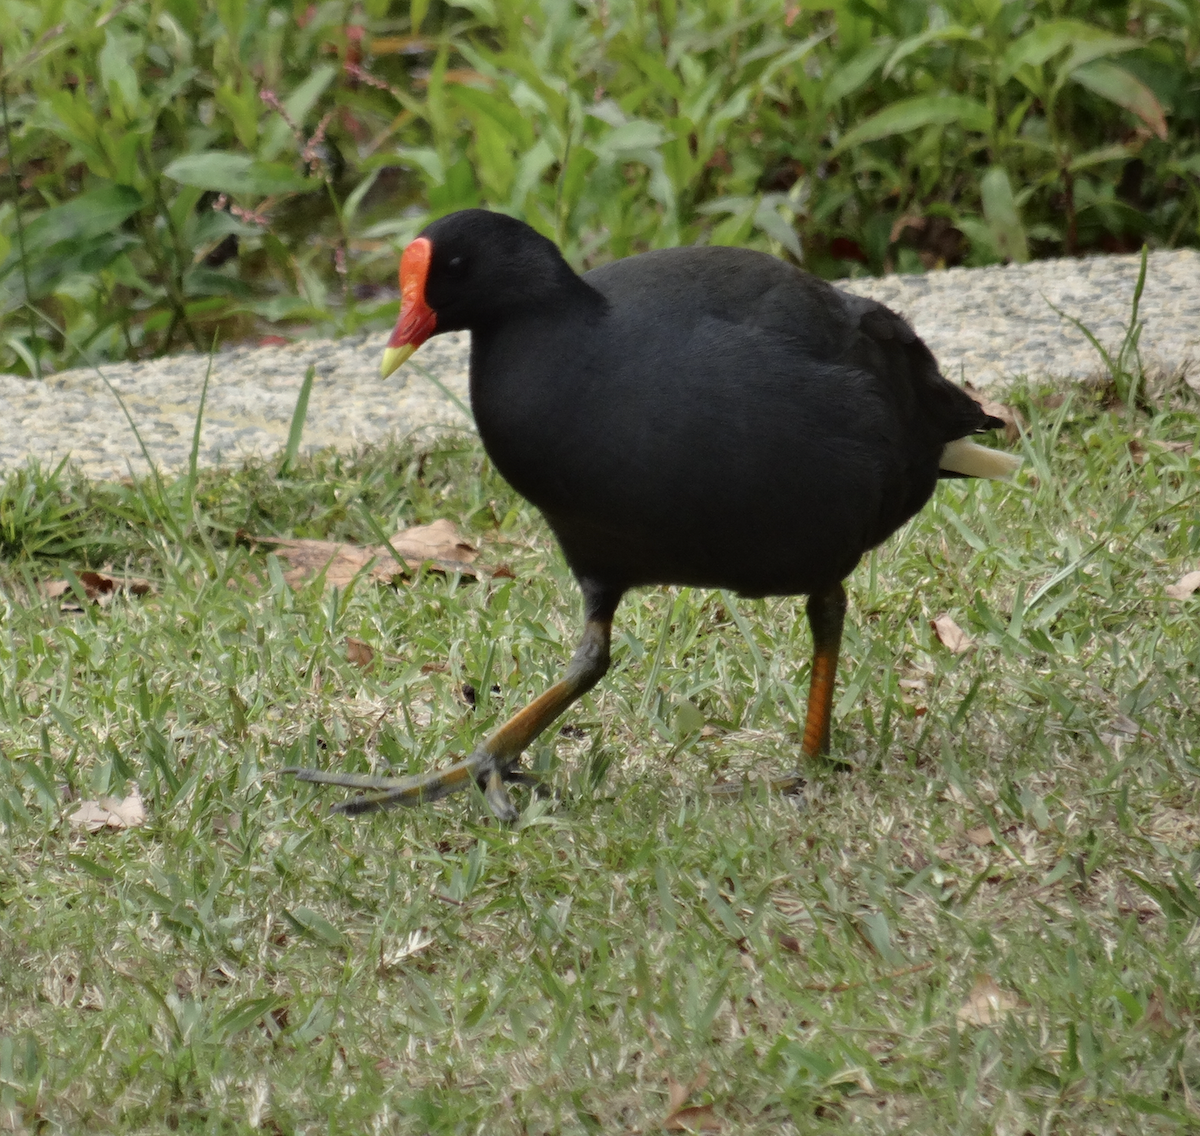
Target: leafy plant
188, 165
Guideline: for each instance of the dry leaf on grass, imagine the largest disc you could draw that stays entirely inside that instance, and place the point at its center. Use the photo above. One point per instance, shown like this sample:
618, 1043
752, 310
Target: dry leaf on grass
1013, 422
987, 1004
1185, 586
1158, 1017
789, 943
1138, 451
110, 812
951, 636
359, 653
981, 837
97, 586
438, 543
696, 1118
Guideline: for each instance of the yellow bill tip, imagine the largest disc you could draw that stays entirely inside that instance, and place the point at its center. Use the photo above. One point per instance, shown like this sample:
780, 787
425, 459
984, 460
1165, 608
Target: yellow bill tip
393, 357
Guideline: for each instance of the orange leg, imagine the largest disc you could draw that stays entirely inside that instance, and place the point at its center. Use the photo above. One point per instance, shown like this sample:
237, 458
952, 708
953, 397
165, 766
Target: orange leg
826, 614
492, 761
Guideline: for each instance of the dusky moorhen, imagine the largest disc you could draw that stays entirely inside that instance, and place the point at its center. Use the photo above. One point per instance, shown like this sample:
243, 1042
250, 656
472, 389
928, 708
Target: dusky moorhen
666, 411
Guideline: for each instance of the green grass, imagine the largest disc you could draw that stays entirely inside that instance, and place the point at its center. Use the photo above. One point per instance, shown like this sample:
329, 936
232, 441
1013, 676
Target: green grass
247, 961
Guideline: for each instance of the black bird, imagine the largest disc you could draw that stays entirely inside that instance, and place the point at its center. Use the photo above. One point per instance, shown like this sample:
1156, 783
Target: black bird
664, 410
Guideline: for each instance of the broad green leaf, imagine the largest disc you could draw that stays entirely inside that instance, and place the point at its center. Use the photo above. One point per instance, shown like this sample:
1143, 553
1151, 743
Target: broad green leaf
317, 927
636, 135
931, 35
771, 223
1126, 90
533, 164
178, 42
913, 114
483, 10
201, 281
242, 1015
1087, 50
1116, 153
117, 74
738, 205
242, 108
845, 80
658, 73
280, 308
494, 160
224, 172
498, 109
424, 159
356, 195
1000, 211
1045, 41
89, 215
59, 261
792, 56
305, 96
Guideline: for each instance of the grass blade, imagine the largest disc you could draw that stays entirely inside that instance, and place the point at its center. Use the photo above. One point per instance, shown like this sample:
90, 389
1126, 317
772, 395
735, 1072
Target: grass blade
298, 416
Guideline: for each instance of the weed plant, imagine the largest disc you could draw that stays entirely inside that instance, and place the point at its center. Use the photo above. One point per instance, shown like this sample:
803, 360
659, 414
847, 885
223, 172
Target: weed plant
182, 166
1026, 811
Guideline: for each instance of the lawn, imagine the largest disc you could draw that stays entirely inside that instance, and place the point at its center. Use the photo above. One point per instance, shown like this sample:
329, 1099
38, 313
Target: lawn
988, 924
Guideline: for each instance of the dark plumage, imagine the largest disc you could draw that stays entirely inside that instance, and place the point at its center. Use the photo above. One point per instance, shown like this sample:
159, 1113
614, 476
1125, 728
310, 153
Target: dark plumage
666, 411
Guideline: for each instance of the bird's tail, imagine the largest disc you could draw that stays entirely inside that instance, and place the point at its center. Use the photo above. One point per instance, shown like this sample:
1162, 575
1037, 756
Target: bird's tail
973, 460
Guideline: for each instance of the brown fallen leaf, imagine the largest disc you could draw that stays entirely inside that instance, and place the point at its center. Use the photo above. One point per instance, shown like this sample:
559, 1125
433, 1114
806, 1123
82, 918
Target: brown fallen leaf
698, 1118
1013, 422
438, 543
1158, 1016
1139, 452
359, 653
110, 812
98, 587
981, 837
951, 636
987, 1004
789, 943
1184, 587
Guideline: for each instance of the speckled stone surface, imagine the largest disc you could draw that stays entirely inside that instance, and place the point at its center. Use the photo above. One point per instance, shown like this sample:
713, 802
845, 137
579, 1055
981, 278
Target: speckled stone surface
986, 325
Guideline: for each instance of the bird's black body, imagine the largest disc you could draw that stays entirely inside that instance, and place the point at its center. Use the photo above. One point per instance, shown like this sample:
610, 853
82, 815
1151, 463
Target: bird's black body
705, 416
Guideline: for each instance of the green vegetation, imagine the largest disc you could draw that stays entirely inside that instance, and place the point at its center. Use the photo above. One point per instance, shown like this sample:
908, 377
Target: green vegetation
1025, 811
183, 166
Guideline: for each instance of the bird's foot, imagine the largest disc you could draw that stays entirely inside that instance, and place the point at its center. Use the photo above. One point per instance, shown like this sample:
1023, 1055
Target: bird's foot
788, 784
481, 767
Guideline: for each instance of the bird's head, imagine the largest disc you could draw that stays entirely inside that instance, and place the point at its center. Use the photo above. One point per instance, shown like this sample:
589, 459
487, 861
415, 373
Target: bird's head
465, 270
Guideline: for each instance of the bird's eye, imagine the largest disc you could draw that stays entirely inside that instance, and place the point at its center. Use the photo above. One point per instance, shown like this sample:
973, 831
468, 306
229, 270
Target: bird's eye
457, 265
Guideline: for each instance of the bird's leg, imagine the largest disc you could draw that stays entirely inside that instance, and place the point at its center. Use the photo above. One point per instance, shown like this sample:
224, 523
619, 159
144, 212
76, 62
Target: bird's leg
826, 614
490, 764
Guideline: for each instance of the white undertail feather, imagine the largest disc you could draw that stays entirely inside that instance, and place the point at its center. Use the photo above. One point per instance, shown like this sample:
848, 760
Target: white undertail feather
974, 460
